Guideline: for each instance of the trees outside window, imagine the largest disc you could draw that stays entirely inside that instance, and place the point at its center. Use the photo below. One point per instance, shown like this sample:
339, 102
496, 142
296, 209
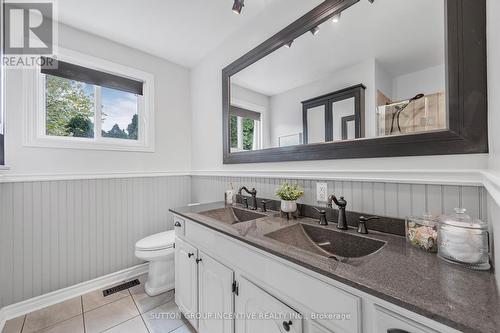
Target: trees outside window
242, 132
71, 110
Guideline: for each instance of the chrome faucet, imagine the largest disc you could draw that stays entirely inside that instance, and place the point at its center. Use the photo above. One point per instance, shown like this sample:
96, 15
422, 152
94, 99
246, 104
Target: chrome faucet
341, 203
253, 193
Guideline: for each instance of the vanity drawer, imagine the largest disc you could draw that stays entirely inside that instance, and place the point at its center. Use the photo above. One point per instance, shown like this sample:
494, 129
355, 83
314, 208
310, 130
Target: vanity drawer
179, 226
389, 322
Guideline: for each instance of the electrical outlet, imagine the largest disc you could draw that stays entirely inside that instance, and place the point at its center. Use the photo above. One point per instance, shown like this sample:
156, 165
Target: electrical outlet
321, 192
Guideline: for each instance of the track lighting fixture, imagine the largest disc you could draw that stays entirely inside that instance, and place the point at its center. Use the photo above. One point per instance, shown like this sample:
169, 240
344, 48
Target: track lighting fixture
289, 44
238, 6
336, 18
314, 31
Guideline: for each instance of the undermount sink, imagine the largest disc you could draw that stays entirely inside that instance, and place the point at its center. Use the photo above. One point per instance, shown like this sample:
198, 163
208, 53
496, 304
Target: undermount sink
326, 242
232, 215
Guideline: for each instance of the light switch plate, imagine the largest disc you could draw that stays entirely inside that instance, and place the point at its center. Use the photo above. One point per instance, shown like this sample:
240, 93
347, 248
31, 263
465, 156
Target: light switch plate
321, 192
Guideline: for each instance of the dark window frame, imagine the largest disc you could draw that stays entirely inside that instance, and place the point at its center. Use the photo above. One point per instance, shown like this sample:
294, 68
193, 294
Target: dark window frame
466, 77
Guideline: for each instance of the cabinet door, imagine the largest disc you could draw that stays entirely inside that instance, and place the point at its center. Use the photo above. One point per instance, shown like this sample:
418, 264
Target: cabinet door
317, 328
215, 283
186, 280
389, 322
253, 302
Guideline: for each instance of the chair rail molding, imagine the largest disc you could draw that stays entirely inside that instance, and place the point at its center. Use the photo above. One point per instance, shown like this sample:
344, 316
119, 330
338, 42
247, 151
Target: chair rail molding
9, 177
491, 182
470, 177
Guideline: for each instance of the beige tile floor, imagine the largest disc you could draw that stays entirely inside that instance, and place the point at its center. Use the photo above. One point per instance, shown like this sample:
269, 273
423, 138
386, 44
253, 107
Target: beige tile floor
129, 311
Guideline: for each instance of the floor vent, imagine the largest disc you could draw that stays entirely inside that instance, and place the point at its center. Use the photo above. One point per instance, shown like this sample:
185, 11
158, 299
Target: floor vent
120, 287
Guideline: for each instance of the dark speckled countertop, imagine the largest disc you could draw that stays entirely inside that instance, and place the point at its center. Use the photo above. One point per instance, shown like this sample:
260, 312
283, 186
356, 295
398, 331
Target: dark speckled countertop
398, 273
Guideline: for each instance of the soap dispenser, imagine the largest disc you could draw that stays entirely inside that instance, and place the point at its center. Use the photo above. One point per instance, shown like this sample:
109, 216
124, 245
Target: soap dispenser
228, 195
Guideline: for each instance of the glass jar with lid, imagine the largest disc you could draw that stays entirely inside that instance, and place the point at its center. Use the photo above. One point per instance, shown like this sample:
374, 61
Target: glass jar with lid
463, 240
422, 232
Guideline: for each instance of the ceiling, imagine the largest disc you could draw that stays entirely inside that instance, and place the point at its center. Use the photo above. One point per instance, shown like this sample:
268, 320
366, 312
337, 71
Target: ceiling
182, 31
404, 36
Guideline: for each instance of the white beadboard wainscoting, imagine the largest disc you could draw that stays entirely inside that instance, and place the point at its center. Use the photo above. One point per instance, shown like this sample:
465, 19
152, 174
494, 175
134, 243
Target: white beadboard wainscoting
55, 234
377, 198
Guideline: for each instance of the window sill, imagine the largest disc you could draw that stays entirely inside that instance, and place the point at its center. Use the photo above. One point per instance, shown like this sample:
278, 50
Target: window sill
82, 145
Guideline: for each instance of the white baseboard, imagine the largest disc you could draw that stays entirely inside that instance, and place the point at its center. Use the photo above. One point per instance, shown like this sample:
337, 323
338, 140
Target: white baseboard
39, 302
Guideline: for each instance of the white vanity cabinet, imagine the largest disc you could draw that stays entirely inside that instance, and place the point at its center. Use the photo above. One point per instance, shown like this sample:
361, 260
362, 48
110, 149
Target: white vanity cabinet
203, 285
217, 274
215, 295
252, 300
186, 279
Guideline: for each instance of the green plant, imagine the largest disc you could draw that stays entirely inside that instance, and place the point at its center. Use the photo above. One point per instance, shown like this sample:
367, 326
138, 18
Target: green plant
289, 192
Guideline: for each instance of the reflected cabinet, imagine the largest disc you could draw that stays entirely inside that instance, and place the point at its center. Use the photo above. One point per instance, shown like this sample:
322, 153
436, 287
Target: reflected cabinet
335, 116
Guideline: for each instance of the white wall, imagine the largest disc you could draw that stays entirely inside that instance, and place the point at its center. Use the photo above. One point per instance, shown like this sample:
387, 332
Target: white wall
383, 81
428, 81
172, 107
206, 95
494, 120
494, 83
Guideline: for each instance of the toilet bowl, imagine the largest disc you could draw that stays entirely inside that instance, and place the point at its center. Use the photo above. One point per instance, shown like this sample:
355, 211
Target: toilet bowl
158, 249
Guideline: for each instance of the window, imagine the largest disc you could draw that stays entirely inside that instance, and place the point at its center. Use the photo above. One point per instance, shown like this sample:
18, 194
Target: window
245, 126
97, 106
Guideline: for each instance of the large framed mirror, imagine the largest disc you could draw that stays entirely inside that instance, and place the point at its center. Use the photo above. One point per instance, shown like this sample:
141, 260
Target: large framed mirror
361, 79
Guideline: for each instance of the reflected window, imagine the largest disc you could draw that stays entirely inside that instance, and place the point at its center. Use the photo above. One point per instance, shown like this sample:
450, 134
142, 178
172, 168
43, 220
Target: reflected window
245, 130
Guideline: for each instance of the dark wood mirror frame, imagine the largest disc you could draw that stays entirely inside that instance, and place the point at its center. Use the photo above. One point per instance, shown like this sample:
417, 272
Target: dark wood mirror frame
466, 85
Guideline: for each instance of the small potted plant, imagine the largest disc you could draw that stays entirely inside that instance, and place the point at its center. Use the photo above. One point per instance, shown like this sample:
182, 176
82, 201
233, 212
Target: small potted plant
288, 195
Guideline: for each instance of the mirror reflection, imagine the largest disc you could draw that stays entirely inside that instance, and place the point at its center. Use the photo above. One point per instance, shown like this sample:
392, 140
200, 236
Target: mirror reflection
364, 74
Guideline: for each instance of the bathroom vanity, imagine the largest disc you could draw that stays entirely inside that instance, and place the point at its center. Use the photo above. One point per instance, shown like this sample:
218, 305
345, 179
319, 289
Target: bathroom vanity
232, 260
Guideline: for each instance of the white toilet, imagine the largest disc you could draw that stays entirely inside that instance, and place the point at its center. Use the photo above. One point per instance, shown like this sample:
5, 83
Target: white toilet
158, 249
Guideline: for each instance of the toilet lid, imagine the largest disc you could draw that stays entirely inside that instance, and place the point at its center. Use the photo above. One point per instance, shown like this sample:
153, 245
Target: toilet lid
163, 240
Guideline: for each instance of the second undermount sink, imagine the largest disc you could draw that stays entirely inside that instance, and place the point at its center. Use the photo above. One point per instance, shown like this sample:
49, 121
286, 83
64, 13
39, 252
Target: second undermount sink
232, 215
326, 242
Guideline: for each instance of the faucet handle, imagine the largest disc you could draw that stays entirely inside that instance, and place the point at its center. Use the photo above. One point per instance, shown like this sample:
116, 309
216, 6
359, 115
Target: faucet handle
362, 229
322, 216
341, 202
245, 201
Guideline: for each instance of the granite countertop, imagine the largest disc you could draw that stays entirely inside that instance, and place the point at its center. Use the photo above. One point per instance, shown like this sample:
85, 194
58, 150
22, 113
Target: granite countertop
398, 273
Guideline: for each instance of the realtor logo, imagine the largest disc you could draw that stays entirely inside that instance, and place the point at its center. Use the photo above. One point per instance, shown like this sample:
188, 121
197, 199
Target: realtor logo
28, 28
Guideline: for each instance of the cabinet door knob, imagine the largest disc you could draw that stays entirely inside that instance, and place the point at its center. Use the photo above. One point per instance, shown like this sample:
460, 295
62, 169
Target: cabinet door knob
177, 224
190, 255
286, 325
396, 330
198, 261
